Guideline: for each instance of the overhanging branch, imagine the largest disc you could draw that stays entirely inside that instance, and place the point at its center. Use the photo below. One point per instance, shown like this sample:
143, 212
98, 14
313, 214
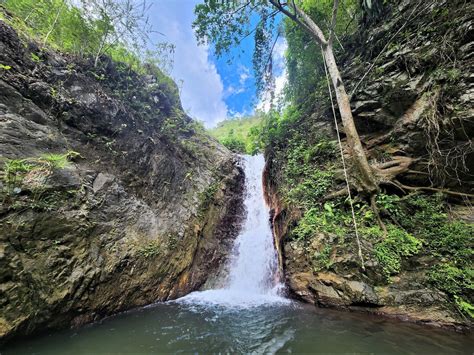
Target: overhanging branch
332, 28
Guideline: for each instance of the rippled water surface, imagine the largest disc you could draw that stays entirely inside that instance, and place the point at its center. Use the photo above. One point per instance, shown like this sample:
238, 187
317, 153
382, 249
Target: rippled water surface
182, 327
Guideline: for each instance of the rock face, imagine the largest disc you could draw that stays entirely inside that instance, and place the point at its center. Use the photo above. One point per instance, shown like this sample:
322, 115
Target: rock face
416, 101
145, 207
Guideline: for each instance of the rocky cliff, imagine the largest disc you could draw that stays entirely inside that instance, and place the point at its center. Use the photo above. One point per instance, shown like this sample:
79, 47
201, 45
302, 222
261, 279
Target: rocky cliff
409, 74
111, 196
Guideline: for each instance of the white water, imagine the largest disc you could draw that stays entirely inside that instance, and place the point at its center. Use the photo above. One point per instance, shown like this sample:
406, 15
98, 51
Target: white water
253, 276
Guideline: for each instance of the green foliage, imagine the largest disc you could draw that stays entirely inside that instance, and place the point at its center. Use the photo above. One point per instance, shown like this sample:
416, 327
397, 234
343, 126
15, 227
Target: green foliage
208, 195
449, 241
241, 135
316, 220
306, 74
35, 58
452, 279
15, 170
397, 244
277, 129
226, 23
451, 75
322, 260
464, 306
310, 189
234, 144
425, 217
55, 161
307, 184
117, 28
5, 67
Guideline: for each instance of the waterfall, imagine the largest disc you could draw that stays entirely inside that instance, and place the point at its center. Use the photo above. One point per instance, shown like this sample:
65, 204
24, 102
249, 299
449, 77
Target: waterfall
252, 271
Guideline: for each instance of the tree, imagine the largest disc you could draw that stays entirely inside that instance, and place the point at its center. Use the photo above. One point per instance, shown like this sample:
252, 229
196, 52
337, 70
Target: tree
117, 28
119, 22
226, 22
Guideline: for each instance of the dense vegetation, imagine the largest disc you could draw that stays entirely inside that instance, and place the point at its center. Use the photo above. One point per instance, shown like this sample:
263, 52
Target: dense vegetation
391, 221
402, 222
241, 135
118, 29
308, 156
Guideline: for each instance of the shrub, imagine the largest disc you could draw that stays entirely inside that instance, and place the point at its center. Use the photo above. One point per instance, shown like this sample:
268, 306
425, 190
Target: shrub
234, 144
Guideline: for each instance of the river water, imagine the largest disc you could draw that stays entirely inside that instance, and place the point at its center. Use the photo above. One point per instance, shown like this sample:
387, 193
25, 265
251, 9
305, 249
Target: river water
248, 314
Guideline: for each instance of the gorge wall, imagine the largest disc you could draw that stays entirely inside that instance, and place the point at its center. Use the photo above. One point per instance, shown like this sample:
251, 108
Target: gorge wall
409, 74
111, 196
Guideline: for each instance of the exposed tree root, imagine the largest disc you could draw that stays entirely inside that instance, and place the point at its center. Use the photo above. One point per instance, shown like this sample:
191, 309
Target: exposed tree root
386, 174
433, 189
339, 193
389, 170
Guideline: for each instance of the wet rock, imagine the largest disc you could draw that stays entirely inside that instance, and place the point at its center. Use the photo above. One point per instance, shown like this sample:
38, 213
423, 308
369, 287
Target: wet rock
130, 221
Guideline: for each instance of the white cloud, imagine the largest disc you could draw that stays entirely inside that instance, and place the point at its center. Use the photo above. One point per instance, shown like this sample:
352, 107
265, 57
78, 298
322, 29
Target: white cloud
202, 90
280, 74
244, 74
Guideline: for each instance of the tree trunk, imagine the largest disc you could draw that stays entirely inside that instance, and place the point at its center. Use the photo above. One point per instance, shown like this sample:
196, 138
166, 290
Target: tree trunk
365, 176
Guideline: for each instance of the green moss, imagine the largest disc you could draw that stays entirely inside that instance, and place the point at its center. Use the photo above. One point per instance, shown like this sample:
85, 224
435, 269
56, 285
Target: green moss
150, 250
207, 197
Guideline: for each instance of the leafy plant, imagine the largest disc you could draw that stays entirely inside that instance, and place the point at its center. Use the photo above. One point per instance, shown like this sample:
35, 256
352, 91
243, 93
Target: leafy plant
452, 279
55, 161
14, 171
322, 260
397, 244
317, 220
464, 306
35, 58
5, 67
117, 28
234, 144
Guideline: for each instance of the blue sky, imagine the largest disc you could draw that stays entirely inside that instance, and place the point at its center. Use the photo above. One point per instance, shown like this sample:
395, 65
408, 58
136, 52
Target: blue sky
211, 89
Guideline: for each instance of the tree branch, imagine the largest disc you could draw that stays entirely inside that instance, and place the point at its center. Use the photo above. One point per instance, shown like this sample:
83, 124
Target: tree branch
255, 28
332, 28
305, 21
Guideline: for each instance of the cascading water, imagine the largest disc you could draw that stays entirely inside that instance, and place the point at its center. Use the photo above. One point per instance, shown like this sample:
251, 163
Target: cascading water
253, 276
226, 320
